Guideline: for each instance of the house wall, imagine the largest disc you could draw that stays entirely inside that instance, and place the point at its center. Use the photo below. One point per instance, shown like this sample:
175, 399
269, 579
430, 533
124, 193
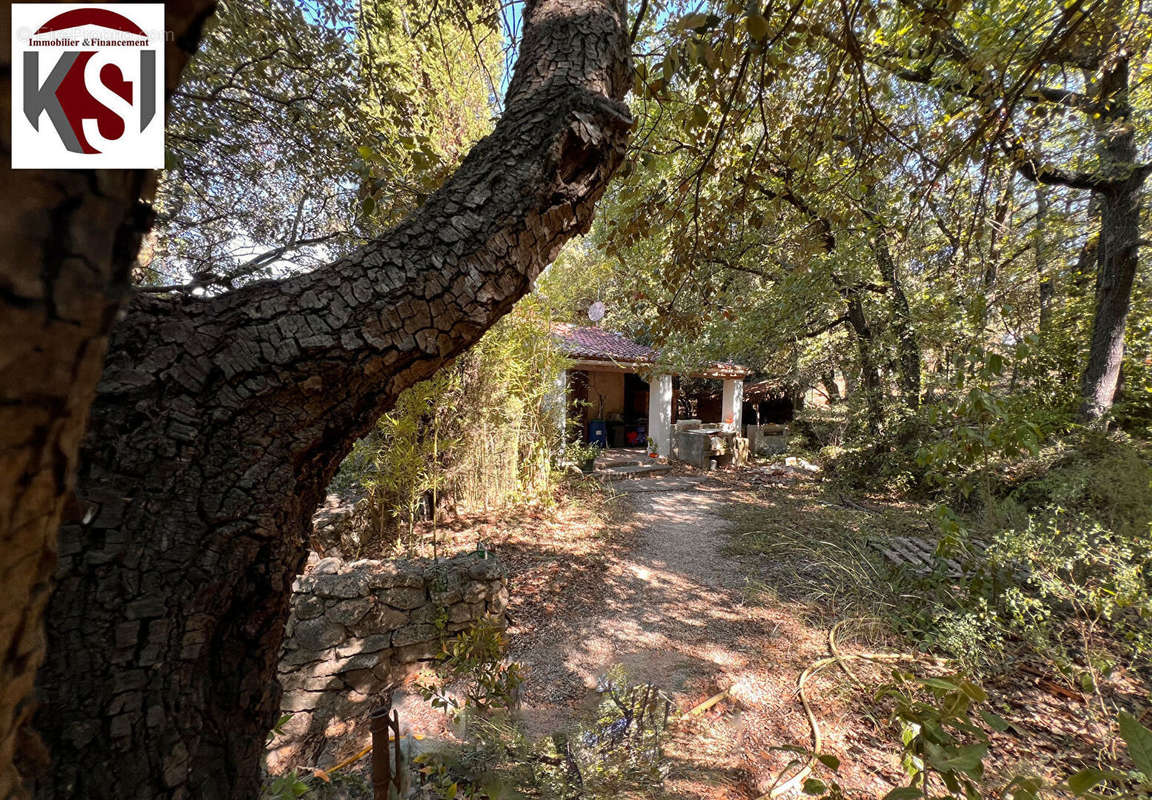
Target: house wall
610, 386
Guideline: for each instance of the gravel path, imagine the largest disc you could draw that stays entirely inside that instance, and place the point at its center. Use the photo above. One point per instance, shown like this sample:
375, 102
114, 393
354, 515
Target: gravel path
671, 610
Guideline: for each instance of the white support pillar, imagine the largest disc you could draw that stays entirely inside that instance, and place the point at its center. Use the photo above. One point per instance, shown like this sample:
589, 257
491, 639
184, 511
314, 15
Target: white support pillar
732, 409
660, 415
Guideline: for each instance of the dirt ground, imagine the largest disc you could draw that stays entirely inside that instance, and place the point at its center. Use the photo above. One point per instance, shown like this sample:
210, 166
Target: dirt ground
675, 608
644, 581
650, 578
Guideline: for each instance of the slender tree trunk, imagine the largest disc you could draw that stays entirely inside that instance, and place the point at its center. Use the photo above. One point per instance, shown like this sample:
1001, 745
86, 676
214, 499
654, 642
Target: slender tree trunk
871, 385
1117, 253
218, 423
996, 238
69, 238
907, 343
1045, 281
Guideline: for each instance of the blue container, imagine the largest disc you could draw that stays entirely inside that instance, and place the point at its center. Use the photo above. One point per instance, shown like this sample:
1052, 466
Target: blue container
598, 432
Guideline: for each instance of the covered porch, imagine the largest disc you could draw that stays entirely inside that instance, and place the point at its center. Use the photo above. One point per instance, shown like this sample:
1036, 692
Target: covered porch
619, 395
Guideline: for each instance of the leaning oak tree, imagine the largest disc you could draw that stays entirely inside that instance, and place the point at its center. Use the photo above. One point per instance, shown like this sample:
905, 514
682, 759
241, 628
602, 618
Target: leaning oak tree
219, 421
68, 238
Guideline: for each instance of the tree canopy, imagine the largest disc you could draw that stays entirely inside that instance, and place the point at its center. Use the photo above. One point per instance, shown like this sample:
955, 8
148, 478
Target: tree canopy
920, 182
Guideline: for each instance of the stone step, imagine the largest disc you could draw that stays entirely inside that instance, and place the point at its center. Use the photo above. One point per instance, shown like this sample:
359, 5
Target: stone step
613, 463
632, 471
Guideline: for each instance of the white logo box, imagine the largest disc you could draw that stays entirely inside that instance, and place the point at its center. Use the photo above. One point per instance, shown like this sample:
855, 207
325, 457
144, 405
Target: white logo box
88, 86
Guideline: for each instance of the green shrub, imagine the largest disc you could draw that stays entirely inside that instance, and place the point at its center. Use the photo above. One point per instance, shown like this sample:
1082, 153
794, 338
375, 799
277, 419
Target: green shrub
1101, 475
1064, 587
816, 428
945, 741
954, 445
471, 674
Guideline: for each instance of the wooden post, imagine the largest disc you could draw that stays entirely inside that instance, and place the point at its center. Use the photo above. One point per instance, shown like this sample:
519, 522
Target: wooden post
397, 774
381, 752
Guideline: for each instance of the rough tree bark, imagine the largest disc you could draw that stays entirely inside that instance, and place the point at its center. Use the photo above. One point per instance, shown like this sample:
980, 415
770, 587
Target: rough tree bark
68, 239
1118, 250
219, 422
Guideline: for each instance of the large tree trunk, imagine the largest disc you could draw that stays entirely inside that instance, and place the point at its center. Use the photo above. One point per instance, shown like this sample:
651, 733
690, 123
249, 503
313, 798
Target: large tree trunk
219, 422
871, 384
69, 239
1118, 256
1118, 250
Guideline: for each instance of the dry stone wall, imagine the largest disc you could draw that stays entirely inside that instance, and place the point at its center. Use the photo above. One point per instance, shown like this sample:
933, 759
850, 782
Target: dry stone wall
358, 629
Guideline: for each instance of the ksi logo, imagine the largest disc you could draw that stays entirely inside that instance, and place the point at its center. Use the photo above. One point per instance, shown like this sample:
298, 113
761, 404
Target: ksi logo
87, 88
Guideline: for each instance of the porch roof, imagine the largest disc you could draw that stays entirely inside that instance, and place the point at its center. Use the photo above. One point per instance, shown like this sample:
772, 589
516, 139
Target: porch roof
597, 348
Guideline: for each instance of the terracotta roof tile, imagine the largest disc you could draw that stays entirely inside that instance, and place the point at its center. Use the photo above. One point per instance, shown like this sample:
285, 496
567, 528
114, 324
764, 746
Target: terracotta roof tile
599, 344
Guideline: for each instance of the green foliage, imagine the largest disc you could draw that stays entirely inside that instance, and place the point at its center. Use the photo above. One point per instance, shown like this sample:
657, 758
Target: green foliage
481, 434
429, 77
946, 736
300, 129
1062, 566
979, 430
954, 446
288, 786
582, 454
474, 684
1139, 741
1104, 476
466, 773
471, 675
939, 736
296, 783
398, 463
618, 751
1133, 411
1071, 590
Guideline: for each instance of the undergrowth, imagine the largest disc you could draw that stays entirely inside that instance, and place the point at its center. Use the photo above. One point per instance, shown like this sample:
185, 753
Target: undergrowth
619, 748
1055, 559
1059, 567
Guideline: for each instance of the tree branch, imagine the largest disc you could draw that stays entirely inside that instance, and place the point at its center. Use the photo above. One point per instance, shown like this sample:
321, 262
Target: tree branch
842, 320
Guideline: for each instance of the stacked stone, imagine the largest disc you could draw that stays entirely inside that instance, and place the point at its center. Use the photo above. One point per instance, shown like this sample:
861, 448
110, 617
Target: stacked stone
356, 630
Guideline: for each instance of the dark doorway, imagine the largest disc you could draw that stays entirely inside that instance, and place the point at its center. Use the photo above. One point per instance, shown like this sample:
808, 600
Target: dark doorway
773, 410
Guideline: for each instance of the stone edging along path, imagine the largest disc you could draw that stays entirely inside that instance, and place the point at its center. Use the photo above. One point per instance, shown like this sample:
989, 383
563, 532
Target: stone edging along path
356, 630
